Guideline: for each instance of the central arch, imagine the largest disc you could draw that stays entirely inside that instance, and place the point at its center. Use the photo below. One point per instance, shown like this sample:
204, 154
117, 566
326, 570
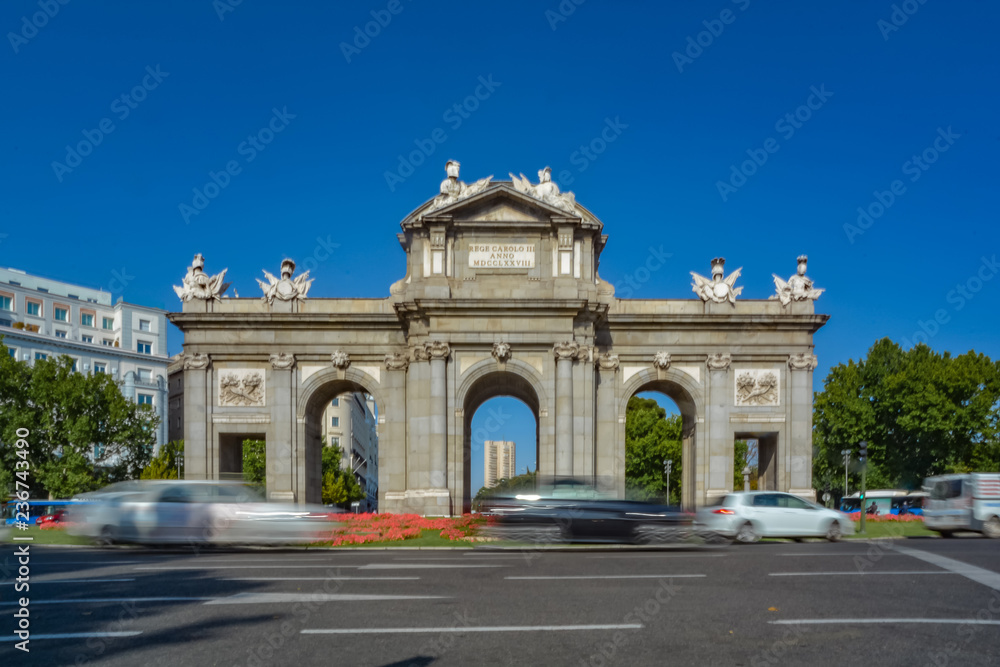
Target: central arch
488, 380
686, 393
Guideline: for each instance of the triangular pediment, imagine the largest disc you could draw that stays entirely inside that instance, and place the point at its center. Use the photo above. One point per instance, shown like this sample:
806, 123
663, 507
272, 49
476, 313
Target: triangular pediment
498, 203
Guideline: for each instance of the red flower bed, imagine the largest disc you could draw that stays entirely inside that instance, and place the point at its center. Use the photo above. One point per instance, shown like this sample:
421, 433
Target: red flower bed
369, 528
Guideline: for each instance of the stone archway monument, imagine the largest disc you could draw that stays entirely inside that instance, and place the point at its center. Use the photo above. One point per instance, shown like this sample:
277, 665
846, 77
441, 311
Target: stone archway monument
501, 296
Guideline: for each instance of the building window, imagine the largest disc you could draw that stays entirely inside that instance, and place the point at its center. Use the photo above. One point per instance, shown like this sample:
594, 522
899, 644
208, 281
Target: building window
334, 441
6, 303
13, 351
98, 452
41, 356
335, 422
33, 308
145, 399
75, 366
61, 314
107, 342
60, 334
100, 368
87, 319
144, 325
144, 347
43, 289
335, 402
144, 375
107, 323
87, 339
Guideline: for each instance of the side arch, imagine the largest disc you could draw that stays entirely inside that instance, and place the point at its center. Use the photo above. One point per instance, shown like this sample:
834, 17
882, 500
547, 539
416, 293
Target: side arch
688, 394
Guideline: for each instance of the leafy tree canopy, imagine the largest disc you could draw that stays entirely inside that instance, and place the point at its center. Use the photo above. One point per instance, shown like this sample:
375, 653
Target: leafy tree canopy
651, 438
66, 414
922, 413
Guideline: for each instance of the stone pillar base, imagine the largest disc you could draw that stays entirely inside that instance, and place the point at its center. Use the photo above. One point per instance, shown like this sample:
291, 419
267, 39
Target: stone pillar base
807, 494
425, 502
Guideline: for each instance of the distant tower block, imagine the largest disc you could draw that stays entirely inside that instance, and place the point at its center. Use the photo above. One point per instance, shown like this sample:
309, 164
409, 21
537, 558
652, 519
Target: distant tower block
499, 462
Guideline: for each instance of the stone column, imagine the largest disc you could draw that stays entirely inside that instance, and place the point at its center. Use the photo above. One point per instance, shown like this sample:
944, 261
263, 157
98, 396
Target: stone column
610, 462
799, 435
719, 445
565, 353
198, 401
289, 476
438, 352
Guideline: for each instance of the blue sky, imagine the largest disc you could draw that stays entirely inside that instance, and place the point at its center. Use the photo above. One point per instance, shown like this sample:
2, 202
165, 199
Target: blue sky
684, 107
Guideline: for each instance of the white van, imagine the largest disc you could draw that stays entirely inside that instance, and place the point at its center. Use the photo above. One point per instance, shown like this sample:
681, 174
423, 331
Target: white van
963, 502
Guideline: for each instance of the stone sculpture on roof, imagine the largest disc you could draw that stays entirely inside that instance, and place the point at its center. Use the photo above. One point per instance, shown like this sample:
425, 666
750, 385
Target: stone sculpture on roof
546, 191
454, 190
798, 287
285, 289
199, 285
718, 289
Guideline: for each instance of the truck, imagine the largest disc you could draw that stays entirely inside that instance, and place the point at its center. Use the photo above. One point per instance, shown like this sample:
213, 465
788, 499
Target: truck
963, 502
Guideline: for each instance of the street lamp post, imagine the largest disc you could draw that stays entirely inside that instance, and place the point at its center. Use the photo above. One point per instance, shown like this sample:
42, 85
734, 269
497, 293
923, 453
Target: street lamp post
667, 466
180, 462
846, 453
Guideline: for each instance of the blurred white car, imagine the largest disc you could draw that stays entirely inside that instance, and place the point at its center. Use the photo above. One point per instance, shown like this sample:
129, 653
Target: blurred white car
194, 512
749, 516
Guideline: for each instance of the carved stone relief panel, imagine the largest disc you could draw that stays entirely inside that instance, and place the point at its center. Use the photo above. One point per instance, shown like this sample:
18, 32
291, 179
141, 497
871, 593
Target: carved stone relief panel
757, 386
242, 387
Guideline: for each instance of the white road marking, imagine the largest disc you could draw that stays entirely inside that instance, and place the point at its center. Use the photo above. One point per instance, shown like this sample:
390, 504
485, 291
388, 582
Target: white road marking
662, 555
72, 581
209, 566
837, 555
496, 628
862, 621
860, 574
322, 579
98, 563
101, 600
977, 574
619, 576
265, 598
81, 635
419, 566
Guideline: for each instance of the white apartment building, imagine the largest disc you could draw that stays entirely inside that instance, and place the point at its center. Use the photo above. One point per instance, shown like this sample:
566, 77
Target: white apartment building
351, 422
42, 318
498, 461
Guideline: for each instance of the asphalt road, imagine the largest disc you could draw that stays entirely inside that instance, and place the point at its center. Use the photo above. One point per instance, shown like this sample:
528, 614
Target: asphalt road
906, 602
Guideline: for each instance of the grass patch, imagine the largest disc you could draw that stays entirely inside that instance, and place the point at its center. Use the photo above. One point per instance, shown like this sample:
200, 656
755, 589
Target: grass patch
51, 536
876, 529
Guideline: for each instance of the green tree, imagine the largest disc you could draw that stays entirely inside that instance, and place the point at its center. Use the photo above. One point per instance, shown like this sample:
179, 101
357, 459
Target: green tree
255, 462
66, 414
164, 465
921, 412
651, 438
505, 486
744, 454
339, 486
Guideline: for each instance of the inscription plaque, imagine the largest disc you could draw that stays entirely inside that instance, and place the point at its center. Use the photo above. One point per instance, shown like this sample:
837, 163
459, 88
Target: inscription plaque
502, 255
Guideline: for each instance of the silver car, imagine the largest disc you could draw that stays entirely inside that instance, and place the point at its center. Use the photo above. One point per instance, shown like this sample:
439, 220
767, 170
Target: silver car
195, 512
749, 516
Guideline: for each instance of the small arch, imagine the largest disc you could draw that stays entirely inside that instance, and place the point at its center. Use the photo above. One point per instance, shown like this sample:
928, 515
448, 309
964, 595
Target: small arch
326, 384
518, 368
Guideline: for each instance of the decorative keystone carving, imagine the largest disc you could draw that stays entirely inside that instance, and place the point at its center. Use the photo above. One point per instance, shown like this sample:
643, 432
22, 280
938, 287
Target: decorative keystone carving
197, 284
396, 361
340, 359
719, 361
501, 352
717, 289
285, 289
566, 350
803, 362
195, 361
241, 388
419, 353
437, 349
798, 287
282, 361
757, 387
661, 360
608, 362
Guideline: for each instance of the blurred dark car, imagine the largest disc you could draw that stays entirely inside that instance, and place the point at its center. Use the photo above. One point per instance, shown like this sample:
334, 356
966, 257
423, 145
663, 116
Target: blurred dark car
562, 510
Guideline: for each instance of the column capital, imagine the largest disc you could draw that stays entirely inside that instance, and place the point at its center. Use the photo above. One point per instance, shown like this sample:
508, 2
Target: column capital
802, 362
719, 361
196, 361
396, 361
282, 361
437, 349
567, 350
607, 362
